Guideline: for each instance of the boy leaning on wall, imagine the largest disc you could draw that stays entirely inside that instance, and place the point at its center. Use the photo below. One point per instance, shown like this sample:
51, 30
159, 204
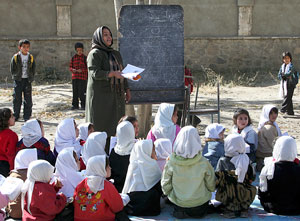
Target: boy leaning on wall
22, 68
78, 68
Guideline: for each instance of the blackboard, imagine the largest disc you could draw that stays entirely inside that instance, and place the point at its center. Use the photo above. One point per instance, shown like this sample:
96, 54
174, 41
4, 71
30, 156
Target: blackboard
152, 37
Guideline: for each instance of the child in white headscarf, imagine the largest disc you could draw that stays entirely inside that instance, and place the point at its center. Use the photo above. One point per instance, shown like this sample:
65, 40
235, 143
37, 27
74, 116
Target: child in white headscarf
242, 125
67, 166
142, 182
94, 145
33, 137
234, 177
95, 198
23, 159
165, 123
119, 156
188, 178
280, 179
268, 130
214, 143
163, 149
66, 136
40, 198
85, 130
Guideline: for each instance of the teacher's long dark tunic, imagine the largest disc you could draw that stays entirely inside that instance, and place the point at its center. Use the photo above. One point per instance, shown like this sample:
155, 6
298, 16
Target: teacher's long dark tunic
104, 106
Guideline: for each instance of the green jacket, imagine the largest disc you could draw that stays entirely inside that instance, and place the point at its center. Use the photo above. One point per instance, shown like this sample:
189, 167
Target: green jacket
188, 182
16, 67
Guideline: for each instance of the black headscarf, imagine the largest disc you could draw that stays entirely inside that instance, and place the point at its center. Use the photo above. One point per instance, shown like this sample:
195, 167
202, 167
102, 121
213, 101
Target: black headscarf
114, 62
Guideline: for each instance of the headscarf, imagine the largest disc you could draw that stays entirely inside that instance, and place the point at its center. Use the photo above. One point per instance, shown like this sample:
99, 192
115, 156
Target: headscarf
265, 117
285, 149
164, 127
67, 171
143, 171
83, 131
115, 61
24, 158
65, 136
125, 138
213, 130
235, 147
31, 132
38, 171
94, 145
96, 173
188, 142
163, 149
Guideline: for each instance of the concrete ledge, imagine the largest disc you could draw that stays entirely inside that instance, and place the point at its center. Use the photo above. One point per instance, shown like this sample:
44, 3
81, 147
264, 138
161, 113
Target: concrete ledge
64, 2
245, 3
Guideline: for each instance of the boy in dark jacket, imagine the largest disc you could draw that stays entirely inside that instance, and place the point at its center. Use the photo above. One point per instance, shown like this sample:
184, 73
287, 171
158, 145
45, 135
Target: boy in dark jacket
22, 68
78, 67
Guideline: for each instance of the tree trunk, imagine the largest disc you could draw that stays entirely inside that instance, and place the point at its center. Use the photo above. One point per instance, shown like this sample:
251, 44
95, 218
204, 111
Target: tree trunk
118, 5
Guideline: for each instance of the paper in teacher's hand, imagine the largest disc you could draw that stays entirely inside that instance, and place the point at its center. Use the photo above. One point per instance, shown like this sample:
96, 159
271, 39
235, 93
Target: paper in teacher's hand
132, 72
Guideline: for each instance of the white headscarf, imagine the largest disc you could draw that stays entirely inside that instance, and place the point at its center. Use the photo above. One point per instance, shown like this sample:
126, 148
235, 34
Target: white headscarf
38, 171
285, 149
67, 171
83, 131
125, 138
65, 136
234, 146
163, 124
188, 142
94, 145
31, 132
163, 148
265, 117
24, 158
143, 171
96, 173
213, 130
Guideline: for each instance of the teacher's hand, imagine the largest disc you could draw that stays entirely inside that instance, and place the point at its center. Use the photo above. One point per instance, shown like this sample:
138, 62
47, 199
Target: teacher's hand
116, 74
128, 95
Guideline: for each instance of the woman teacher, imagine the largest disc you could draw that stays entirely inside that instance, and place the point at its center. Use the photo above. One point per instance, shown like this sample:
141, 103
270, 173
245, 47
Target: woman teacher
106, 88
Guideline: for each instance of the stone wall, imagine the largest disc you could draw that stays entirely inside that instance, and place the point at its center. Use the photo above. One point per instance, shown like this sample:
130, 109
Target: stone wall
228, 36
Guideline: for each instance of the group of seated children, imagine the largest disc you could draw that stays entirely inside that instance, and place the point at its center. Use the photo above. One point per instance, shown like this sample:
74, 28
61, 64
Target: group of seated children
82, 180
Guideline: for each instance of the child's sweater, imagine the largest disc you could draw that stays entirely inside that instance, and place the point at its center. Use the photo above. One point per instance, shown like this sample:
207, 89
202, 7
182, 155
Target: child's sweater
213, 151
8, 142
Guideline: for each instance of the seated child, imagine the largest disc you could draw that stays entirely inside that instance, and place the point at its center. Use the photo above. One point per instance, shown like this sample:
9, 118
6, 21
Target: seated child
33, 137
3, 202
188, 178
85, 130
134, 122
8, 141
119, 156
163, 149
234, 177
23, 159
41, 200
165, 123
65, 136
214, 143
67, 167
142, 182
95, 198
94, 145
242, 125
280, 179
268, 130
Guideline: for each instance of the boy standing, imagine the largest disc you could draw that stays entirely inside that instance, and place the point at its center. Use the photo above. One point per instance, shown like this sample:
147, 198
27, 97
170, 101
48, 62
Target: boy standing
22, 68
78, 67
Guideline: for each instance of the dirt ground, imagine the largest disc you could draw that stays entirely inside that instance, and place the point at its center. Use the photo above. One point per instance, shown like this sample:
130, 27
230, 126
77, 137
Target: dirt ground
52, 104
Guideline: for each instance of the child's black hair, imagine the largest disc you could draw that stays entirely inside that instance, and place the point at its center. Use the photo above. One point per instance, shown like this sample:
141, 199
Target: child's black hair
175, 109
287, 54
5, 114
78, 45
240, 111
24, 42
106, 162
274, 110
91, 125
131, 119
